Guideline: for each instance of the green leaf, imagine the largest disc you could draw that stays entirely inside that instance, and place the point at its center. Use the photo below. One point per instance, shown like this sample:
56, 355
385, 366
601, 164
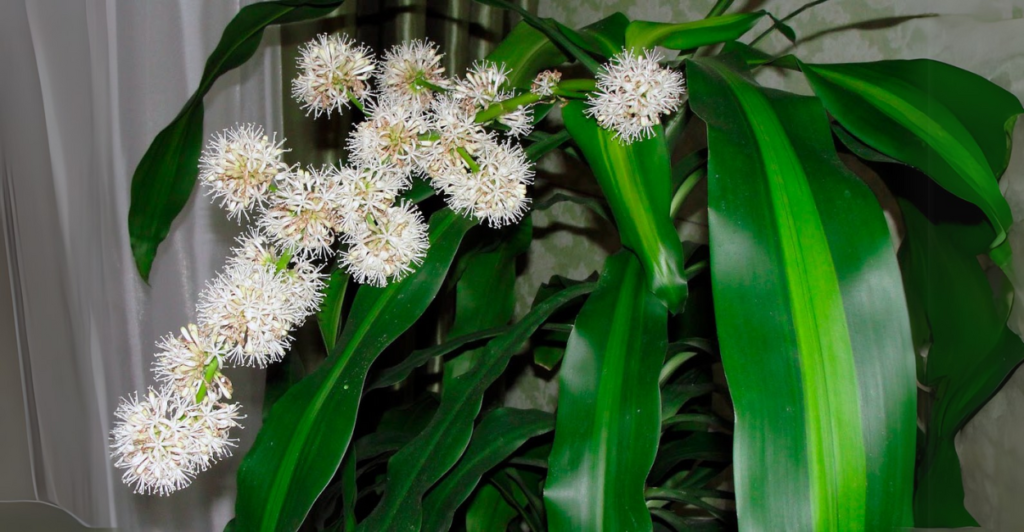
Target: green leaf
550, 29
815, 339
166, 174
609, 407
499, 435
971, 355
948, 122
329, 315
636, 180
485, 294
643, 34
307, 432
488, 511
605, 37
783, 28
526, 51
415, 468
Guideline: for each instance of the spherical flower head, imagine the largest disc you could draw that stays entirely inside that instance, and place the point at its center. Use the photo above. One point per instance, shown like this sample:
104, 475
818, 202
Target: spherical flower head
545, 82
632, 94
367, 191
248, 308
154, 442
483, 84
496, 193
408, 70
390, 136
183, 361
332, 69
255, 247
301, 215
238, 167
455, 127
211, 422
519, 122
389, 248
304, 285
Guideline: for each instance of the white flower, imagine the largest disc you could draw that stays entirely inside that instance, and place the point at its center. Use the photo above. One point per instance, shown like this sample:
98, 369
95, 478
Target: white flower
387, 249
304, 284
483, 84
154, 441
496, 193
366, 191
545, 82
301, 216
632, 94
331, 69
390, 136
255, 247
454, 127
248, 308
182, 363
211, 423
407, 64
238, 167
519, 122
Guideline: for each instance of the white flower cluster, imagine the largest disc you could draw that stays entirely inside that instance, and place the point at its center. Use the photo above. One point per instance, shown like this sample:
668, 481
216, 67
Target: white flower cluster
418, 123
632, 94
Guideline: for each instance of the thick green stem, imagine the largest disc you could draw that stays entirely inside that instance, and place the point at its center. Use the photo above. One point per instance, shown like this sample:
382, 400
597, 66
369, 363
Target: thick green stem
355, 101
720, 7
283, 260
424, 84
579, 85
209, 372
506, 106
469, 159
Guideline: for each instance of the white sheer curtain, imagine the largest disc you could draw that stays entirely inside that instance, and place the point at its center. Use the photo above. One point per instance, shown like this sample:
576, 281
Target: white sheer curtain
84, 88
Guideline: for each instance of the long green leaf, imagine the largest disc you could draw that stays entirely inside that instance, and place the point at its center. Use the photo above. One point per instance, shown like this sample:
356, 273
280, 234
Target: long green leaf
526, 51
636, 179
971, 355
948, 122
166, 174
609, 406
550, 29
643, 34
499, 435
307, 432
812, 324
415, 468
329, 315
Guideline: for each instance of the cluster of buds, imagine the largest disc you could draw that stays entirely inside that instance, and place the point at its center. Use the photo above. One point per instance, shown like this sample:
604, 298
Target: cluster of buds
455, 133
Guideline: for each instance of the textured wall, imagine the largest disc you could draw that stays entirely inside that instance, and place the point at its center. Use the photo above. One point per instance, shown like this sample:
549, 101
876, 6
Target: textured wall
985, 36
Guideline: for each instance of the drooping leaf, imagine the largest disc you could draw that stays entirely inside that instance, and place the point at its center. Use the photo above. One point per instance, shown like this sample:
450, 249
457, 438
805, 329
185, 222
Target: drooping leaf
497, 436
605, 37
166, 174
948, 122
812, 324
609, 407
643, 34
526, 51
971, 354
421, 463
550, 29
302, 442
488, 511
636, 180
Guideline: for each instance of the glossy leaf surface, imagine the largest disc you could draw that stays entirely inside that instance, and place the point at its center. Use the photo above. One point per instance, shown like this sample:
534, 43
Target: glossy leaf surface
498, 435
421, 463
950, 123
971, 354
636, 179
166, 174
307, 432
609, 406
812, 323
643, 34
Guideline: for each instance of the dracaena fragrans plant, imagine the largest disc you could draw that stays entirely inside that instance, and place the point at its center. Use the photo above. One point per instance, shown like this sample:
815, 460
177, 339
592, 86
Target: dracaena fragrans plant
817, 315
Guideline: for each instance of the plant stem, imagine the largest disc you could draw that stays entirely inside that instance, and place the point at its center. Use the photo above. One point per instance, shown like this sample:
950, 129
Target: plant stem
775, 25
469, 159
579, 85
505, 106
721, 6
283, 260
538, 149
355, 101
424, 84
209, 372
695, 268
684, 189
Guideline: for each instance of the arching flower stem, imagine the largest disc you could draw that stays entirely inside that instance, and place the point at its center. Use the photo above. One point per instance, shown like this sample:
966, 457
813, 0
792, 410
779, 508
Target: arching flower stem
473, 166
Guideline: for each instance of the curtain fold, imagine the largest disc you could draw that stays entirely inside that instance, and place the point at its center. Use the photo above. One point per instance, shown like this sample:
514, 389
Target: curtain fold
87, 86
